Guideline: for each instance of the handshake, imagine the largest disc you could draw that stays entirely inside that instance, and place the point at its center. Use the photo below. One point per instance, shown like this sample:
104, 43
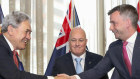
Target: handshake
64, 76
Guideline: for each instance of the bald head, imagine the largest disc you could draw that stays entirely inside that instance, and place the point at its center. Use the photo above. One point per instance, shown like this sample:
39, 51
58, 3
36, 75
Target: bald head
77, 41
77, 30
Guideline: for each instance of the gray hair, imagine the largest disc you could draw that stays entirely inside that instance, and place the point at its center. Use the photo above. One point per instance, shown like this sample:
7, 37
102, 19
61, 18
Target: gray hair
14, 19
127, 10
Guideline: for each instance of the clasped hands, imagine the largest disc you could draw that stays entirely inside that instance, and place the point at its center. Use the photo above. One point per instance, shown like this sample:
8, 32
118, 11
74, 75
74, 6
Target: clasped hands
64, 76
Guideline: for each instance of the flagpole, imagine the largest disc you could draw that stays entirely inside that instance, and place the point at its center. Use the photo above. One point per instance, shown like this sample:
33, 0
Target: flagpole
71, 15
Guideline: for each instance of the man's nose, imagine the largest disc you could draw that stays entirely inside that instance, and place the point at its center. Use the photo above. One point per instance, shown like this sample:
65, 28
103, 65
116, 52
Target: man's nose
28, 36
77, 42
111, 28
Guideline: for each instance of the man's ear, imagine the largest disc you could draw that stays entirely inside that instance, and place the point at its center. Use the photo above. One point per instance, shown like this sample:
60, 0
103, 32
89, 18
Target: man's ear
128, 23
10, 30
86, 41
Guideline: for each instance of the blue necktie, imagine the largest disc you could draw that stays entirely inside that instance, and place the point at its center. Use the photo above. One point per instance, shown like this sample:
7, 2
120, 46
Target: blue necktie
78, 65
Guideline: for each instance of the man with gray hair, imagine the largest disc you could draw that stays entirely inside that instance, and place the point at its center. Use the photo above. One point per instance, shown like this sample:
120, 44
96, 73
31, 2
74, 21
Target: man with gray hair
16, 30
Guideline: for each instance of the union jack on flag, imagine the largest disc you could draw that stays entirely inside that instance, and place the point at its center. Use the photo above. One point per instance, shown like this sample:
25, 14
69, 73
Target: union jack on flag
62, 47
138, 10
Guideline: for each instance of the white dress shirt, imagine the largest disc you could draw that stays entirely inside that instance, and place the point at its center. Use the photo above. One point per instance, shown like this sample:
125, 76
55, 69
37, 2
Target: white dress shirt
82, 61
10, 45
130, 46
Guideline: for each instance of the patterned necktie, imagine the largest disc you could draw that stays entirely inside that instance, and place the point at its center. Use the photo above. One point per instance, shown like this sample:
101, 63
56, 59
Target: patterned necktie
125, 56
78, 65
15, 57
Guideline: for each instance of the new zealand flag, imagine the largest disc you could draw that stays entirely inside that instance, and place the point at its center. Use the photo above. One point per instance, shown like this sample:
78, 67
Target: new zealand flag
62, 47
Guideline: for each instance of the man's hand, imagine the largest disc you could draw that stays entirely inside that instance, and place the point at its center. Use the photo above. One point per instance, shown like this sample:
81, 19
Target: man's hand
65, 76
57, 77
62, 76
73, 77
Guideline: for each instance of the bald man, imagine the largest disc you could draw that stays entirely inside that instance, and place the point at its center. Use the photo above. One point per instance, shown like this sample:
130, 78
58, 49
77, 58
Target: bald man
77, 43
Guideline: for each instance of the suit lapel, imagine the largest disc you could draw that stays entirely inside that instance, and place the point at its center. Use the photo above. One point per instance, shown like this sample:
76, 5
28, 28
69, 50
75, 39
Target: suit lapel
123, 62
5, 44
70, 65
136, 56
117, 59
88, 61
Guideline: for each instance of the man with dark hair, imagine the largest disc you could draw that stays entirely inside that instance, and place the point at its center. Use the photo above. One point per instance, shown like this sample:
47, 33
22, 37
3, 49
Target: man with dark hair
123, 54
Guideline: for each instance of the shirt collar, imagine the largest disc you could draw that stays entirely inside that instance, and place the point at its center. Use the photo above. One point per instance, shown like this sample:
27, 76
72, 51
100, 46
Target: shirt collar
82, 56
132, 38
11, 46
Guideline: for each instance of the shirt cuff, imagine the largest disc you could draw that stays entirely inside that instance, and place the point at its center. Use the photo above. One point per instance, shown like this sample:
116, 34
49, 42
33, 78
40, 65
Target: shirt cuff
77, 77
50, 77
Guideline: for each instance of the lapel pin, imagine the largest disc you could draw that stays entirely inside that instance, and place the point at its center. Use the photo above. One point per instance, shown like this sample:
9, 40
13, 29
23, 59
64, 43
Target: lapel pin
89, 62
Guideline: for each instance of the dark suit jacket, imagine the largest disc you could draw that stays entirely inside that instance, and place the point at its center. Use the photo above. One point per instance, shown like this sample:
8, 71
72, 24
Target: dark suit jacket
64, 64
8, 69
114, 58
115, 75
